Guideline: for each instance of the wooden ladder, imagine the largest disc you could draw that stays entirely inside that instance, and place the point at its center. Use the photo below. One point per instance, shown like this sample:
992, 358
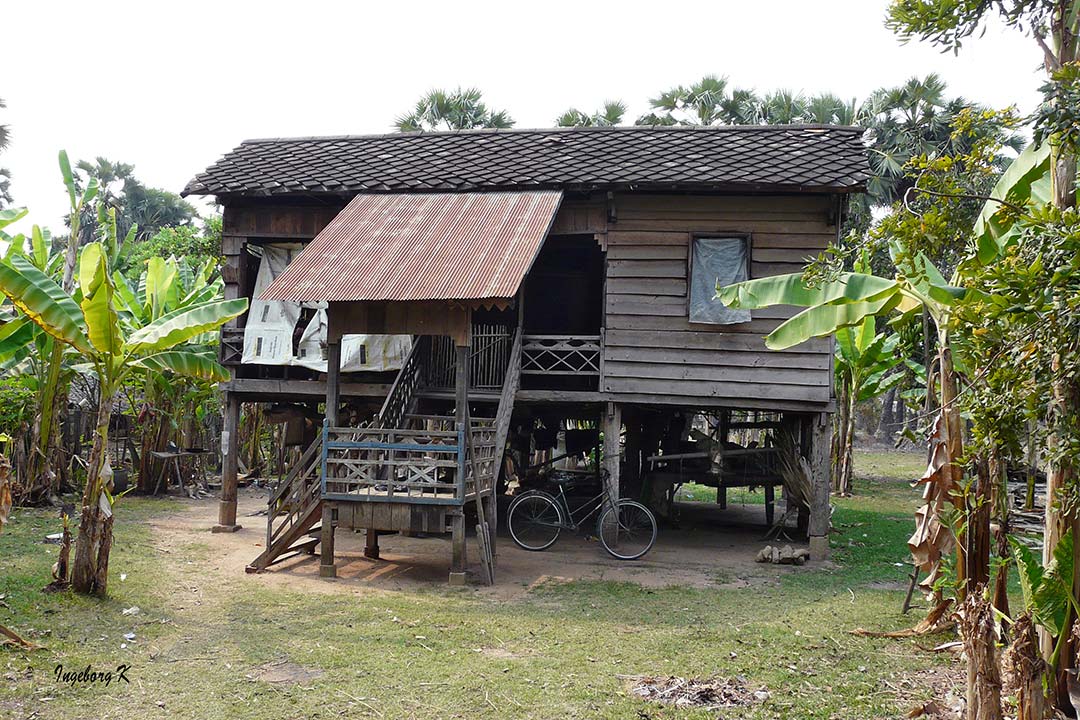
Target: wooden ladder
294, 507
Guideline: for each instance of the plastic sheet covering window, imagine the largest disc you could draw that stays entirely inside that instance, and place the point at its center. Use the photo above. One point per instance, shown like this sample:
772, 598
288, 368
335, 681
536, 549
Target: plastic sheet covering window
716, 262
268, 336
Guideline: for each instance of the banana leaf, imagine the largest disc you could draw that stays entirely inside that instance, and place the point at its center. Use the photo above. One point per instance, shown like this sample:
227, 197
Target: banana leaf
792, 290
181, 325
98, 309
44, 302
822, 320
1027, 179
187, 363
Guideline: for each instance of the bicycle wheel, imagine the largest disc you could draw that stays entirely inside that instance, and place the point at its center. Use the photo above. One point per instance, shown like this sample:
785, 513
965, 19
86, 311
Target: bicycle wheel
534, 520
627, 530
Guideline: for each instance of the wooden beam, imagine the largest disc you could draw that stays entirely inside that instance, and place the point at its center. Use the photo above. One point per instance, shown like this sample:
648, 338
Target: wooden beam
820, 442
263, 389
229, 465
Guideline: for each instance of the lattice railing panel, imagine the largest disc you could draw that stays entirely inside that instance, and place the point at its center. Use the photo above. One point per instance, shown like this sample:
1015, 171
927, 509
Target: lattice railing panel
560, 355
393, 464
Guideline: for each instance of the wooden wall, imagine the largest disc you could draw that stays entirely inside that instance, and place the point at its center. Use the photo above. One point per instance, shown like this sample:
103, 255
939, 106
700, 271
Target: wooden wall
263, 223
652, 353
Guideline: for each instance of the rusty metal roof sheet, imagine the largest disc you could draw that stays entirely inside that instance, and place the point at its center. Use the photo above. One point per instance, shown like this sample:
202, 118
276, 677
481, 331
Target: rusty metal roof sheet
787, 158
422, 246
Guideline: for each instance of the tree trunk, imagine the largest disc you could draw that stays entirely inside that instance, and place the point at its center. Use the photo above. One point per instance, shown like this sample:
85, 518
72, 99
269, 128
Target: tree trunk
90, 572
980, 647
980, 506
888, 414
1065, 404
842, 439
951, 430
848, 447
1026, 668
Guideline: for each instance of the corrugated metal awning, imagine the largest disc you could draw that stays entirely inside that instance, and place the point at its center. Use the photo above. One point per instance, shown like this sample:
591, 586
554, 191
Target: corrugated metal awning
424, 246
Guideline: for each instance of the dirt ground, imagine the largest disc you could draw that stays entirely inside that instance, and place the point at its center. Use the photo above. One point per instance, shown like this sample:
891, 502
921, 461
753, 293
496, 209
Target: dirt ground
710, 548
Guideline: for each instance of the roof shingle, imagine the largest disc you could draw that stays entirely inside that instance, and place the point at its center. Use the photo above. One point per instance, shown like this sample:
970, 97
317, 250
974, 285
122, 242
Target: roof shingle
785, 158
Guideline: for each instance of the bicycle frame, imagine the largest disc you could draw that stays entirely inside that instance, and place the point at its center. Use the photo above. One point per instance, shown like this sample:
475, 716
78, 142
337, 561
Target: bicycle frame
597, 503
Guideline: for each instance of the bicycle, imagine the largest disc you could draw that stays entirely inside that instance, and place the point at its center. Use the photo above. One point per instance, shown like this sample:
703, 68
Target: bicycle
626, 528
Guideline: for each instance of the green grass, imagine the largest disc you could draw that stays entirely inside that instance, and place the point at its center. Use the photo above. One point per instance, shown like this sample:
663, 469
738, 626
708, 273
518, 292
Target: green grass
555, 652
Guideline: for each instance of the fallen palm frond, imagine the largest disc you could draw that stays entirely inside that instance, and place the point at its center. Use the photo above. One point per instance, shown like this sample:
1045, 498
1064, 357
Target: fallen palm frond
937, 620
796, 474
8, 637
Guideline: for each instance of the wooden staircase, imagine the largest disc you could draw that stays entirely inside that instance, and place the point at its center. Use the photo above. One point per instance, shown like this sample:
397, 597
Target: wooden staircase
295, 505
293, 509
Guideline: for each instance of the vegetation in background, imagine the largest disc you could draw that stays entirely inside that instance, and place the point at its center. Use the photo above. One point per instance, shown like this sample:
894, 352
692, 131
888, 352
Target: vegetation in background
5, 174
609, 115
460, 109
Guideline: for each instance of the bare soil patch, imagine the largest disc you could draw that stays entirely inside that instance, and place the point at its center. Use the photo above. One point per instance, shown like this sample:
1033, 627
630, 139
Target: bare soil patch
712, 694
285, 672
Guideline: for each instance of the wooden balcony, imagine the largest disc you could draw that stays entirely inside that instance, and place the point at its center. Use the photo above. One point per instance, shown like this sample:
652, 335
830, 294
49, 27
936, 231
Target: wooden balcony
553, 356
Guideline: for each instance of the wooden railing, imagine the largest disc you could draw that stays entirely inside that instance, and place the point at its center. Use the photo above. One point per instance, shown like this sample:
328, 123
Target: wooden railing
408, 381
489, 355
292, 506
560, 355
431, 461
231, 349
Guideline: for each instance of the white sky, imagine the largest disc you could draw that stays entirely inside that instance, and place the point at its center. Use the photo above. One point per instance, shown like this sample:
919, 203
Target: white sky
170, 87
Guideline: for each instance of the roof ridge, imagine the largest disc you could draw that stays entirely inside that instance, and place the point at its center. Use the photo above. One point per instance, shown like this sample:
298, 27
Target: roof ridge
524, 131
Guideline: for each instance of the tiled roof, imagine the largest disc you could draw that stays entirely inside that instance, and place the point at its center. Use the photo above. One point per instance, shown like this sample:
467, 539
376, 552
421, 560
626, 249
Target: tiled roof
783, 158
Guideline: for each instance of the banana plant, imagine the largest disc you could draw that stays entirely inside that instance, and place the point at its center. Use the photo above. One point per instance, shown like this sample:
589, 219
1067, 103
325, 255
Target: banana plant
853, 298
90, 321
165, 285
866, 367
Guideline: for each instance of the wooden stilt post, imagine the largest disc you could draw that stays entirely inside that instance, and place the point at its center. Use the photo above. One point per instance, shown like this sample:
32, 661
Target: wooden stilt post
333, 380
820, 511
327, 568
461, 402
612, 424
457, 559
229, 466
371, 543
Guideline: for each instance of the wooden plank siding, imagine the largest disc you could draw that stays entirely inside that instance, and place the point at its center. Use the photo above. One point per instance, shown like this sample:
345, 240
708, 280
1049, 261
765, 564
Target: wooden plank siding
243, 224
652, 352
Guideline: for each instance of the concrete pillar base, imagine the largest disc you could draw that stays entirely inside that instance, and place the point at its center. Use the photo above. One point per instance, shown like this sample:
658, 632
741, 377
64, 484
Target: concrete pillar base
328, 571
226, 528
457, 578
819, 547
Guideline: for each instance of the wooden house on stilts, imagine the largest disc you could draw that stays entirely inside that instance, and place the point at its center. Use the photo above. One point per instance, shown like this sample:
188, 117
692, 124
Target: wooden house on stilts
429, 300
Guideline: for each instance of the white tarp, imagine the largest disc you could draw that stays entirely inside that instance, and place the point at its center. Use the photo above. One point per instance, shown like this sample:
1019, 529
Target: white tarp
271, 325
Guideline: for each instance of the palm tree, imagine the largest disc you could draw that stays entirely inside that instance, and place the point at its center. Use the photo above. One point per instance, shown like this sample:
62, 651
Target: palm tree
5, 131
610, 115
144, 208
706, 102
5, 174
456, 110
